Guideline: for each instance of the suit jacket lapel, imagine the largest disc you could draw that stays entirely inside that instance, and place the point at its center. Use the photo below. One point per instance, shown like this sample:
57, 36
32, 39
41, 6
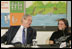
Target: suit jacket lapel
13, 33
29, 35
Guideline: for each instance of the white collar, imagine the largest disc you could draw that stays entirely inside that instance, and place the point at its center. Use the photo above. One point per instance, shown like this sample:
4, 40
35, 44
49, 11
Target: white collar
23, 27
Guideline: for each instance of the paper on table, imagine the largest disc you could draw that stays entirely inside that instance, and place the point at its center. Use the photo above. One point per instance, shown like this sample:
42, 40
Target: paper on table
6, 46
63, 45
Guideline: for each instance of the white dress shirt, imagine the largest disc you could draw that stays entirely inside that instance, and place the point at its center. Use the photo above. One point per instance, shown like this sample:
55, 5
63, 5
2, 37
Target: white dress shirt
18, 36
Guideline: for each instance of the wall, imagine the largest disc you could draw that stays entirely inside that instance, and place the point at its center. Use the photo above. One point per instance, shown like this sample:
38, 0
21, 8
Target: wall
69, 12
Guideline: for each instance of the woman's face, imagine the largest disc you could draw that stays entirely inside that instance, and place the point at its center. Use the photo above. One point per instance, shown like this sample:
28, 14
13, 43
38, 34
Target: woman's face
61, 25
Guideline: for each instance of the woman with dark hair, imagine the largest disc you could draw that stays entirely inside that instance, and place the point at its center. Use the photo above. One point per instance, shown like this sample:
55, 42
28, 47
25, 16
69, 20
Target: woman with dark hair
62, 34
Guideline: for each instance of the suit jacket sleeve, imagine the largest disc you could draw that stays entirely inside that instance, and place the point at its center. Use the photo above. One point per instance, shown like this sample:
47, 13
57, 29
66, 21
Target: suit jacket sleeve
34, 34
4, 37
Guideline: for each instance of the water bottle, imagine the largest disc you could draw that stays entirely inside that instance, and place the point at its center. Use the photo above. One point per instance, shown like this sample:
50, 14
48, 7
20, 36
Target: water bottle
34, 42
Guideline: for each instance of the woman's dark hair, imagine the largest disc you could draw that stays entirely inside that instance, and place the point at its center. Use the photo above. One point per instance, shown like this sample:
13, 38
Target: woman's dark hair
66, 24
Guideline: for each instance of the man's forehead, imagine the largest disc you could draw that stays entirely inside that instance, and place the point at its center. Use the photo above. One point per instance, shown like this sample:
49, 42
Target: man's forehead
29, 17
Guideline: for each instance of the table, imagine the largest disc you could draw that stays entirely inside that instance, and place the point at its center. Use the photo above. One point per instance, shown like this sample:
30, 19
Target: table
38, 46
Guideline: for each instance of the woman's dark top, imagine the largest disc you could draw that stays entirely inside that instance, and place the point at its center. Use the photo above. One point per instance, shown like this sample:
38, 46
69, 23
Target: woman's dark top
59, 35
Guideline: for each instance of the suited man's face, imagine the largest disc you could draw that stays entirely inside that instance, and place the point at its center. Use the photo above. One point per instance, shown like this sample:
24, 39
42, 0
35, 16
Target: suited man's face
27, 22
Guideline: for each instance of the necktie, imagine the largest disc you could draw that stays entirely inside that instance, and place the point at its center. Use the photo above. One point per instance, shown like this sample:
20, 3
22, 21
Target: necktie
23, 37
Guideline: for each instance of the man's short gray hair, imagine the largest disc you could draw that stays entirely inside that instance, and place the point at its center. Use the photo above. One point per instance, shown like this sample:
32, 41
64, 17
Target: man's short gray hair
25, 17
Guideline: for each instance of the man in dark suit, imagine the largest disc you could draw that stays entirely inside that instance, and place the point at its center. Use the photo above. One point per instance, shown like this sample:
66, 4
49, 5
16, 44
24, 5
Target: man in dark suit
23, 34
